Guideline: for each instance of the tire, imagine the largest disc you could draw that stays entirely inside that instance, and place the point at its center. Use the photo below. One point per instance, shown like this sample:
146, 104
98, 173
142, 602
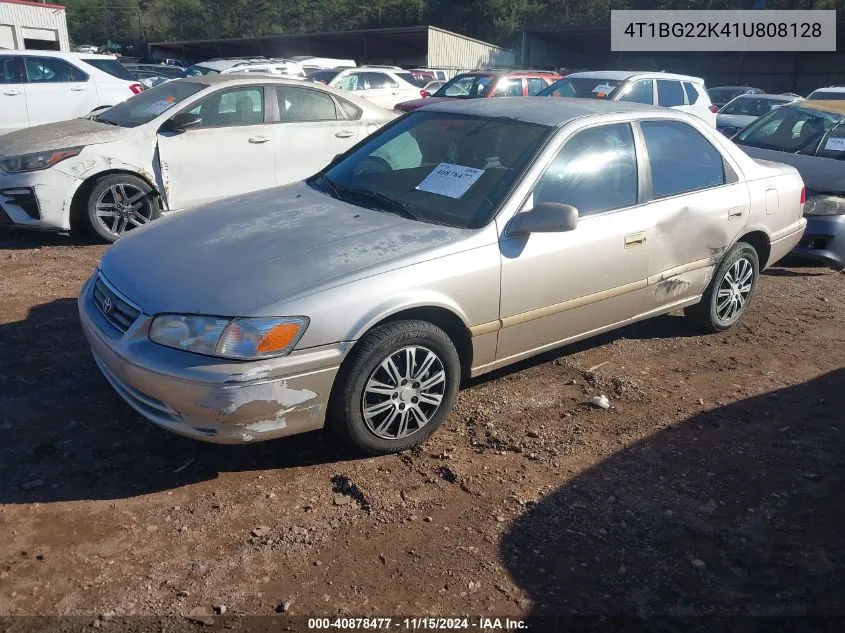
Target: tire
110, 195
379, 432
713, 313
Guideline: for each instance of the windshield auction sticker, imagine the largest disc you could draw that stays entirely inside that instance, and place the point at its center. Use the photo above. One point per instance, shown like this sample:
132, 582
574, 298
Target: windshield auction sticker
450, 180
836, 144
652, 31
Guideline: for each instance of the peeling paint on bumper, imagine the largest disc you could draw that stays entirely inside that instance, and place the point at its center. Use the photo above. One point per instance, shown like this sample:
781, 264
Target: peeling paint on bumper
210, 403
54, 192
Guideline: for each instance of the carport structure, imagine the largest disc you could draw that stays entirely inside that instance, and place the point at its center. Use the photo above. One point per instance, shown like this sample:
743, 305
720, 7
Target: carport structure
426, 46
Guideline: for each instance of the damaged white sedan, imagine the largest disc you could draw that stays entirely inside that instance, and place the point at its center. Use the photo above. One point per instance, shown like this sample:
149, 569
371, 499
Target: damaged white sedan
176, 146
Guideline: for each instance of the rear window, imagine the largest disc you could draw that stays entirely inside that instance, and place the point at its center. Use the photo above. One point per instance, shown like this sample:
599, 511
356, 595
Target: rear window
413, 80
111, 67
193, 71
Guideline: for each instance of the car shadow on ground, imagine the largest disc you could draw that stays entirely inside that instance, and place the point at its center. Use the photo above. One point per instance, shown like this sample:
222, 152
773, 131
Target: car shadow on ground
734, 511
13, 239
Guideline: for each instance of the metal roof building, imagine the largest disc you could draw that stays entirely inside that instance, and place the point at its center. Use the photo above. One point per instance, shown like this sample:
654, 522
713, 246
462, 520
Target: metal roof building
33, 26
588, 48
426, 46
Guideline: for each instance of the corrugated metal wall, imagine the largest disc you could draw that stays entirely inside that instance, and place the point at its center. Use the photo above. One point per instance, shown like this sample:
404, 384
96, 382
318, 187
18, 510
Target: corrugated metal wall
456, 52
19, 21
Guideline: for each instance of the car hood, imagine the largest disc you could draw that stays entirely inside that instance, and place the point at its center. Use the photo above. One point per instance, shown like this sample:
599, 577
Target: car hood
414, 104
43, 138
234, 257
738, 121
825, 175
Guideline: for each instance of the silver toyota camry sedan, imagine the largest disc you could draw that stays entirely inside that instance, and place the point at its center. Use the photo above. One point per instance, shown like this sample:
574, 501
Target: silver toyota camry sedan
456, 240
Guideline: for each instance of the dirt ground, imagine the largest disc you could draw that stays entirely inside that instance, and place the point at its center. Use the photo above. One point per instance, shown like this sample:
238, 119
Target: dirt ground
714, 484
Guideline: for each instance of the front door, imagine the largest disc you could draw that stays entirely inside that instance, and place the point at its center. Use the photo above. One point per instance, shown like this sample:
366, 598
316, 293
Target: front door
698, 208
56, 90
311, 131
13, 113
561, 286
233, 151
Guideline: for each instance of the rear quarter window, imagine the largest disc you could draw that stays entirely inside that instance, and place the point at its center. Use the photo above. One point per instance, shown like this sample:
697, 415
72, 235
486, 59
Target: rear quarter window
692, 93
111, 67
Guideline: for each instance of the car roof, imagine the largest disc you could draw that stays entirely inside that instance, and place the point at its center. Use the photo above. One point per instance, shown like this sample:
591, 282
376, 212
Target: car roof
541, 110
831, 89
624, 75
732, 88
772, 97
837, 107
60, 54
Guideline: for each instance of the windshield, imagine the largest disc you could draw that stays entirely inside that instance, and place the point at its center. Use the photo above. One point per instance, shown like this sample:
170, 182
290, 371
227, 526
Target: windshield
442, 168
193, 71
751, 106
581, 87
144, 107
790, 129
826, 95
723, 95
411, 79
110, 66
465, 87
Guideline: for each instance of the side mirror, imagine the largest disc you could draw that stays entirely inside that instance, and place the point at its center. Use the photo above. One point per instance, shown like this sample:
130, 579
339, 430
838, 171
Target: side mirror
182, 122
546, 217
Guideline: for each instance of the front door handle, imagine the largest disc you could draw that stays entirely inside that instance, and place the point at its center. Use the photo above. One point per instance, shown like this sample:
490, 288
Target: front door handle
736, 213
343, 134
11, 93
79, 88
257, 140
635, 239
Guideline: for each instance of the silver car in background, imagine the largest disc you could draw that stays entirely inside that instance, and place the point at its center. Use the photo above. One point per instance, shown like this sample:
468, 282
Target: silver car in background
458, 239
747, 108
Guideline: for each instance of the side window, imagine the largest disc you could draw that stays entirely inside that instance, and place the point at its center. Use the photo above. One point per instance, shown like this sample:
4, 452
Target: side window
10, 70
681, 158
352, 112
669, 93
352, 81
640, 92
595, 171
692, 93
47, 70
508, 88
535, 85
379, 80
303, 104
76, 74
241, 106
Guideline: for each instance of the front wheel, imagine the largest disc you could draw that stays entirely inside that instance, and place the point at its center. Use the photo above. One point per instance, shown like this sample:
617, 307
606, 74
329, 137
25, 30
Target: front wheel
119, 203
730, 291
396, 388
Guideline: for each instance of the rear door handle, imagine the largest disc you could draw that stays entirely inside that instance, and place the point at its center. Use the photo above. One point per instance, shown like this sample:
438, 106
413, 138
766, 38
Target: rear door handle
11, 93
635, 239
343, 134
736, 212
79, 88
257, 140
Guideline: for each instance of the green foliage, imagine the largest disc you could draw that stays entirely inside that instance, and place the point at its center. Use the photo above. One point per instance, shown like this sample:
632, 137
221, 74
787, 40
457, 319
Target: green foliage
499, 21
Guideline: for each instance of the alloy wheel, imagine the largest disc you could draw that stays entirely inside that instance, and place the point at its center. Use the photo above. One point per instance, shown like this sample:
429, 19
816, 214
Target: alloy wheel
404, 392
123, 207
734, 290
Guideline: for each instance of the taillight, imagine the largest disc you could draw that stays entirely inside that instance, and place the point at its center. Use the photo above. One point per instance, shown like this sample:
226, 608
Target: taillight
713, 108
423, 94
803, 195
136, 88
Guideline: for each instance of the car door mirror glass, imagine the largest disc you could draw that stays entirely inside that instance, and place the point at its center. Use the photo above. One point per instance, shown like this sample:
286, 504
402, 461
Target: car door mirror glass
182, 122
546, 217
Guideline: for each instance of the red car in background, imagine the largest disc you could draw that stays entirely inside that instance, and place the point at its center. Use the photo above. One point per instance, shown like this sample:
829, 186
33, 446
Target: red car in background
482, 84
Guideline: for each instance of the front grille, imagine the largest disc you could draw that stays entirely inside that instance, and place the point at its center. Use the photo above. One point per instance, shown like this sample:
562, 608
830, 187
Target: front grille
117, 310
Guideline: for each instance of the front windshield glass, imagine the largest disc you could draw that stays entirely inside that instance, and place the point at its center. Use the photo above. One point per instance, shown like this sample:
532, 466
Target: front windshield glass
436, 167
465, 87
826, 95
791, 129
194, 71
751, 106
581, 87
144, 107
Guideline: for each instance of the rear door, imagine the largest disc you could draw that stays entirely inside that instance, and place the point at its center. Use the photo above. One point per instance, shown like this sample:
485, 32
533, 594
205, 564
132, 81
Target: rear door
535, 85
56, 90
698, 205
13, 112
232, 152
382, 89
508, 87
312, 129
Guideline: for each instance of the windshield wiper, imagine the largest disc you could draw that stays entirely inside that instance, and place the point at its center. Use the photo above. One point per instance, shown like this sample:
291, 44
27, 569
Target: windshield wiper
100, 119
388, 204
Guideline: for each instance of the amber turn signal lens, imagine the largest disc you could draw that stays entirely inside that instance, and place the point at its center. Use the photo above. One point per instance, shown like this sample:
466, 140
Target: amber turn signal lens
278, 337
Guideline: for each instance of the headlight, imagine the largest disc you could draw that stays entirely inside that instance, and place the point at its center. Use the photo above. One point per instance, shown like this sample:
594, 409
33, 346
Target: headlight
37, 161
242, 339
824, 205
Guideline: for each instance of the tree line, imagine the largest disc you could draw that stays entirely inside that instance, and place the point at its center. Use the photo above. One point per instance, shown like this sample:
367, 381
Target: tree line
128, 22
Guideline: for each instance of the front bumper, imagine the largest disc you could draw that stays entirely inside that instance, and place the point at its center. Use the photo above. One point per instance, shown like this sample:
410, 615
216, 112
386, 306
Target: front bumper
209, 399
37, 200
823, 240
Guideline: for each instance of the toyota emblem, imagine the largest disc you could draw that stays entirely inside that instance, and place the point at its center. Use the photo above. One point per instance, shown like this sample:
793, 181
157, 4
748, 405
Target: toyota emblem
107, 305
